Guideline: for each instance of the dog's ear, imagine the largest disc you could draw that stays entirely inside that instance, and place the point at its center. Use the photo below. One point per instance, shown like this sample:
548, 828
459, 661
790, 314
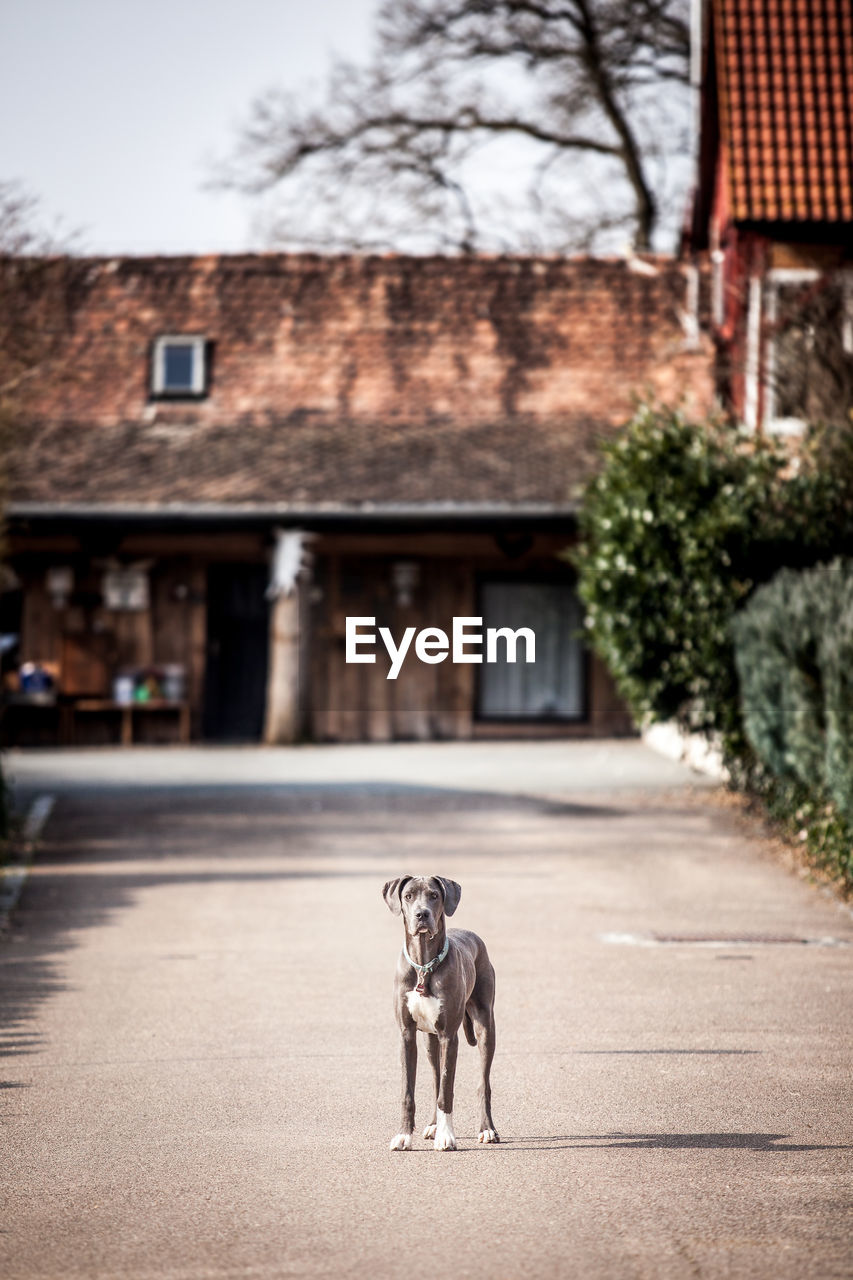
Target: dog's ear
391, 894
451, 892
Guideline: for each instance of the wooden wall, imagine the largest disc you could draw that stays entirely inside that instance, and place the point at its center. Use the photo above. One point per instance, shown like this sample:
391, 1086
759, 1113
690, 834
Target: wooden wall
88, 644
352, 575
356, 702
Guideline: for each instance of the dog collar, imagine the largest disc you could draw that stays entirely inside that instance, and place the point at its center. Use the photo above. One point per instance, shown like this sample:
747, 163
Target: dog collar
424, 970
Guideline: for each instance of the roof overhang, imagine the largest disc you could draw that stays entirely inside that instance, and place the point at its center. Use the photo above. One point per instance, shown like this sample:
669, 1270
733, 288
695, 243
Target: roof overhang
186, 516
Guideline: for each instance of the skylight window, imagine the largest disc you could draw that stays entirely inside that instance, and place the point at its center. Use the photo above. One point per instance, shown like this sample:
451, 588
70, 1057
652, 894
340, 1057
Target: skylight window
179, 366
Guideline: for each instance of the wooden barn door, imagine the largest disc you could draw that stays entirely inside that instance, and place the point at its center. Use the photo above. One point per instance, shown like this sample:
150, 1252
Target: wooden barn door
237, 652
352, 702
552, 688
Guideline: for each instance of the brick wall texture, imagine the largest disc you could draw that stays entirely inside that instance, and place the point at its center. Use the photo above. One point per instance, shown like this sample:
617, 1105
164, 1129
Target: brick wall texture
344, 381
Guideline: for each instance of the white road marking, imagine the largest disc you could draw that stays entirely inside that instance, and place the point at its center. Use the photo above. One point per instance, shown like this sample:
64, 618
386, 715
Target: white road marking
40, 810
14, 877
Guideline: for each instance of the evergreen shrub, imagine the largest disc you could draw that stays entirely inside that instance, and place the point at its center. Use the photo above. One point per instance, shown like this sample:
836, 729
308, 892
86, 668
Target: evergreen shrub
675, 530
682, 524
794, 658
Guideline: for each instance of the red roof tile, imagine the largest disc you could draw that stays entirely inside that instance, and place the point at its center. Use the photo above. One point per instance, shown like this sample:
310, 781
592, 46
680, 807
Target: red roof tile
785, 71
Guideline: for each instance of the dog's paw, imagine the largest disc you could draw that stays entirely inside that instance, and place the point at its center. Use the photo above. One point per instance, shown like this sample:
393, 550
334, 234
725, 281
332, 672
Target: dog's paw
445, 1138
402, 1142
429, 1131
488, 1135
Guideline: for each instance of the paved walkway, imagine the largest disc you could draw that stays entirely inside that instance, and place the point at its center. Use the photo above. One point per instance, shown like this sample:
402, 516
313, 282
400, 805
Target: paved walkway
548, 768
199, 1064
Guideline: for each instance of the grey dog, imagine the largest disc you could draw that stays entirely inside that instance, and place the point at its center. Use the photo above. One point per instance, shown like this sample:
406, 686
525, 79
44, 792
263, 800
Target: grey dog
443, 981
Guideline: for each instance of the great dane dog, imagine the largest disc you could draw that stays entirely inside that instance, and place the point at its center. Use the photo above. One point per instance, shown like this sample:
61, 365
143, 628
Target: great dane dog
443, 981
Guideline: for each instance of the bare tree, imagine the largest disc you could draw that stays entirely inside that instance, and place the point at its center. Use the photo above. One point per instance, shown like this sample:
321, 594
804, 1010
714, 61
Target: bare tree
482, 124
33, 292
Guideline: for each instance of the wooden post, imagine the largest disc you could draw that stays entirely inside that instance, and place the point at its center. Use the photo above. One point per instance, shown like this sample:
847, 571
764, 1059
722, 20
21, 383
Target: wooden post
197, 645
283, 718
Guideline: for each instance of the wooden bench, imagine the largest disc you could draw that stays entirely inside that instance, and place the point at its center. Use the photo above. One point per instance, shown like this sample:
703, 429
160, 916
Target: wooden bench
127, 710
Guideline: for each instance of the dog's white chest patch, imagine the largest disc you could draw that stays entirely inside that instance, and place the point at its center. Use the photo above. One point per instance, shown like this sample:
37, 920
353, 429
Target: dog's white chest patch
424, 1010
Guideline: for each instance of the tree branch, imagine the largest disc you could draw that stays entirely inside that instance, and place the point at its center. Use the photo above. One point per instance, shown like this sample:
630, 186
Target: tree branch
588, 80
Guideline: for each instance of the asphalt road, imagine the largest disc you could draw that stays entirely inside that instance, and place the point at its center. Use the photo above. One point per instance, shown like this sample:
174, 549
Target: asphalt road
199, 1068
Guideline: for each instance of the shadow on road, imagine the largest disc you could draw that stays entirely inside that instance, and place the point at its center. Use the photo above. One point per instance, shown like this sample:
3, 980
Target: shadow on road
770, 1143
26, 982
338, 797
610, 1053
103, 846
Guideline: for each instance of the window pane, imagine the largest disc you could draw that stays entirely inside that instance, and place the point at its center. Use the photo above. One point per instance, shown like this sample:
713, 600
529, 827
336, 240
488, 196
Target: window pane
813, 370
178, 367
553, 686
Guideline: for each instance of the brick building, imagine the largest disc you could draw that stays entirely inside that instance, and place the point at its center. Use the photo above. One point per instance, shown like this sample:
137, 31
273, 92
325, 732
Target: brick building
774, 207
425, 425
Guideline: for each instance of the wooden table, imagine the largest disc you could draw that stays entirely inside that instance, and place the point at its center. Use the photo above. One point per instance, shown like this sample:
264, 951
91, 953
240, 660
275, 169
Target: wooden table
127, 710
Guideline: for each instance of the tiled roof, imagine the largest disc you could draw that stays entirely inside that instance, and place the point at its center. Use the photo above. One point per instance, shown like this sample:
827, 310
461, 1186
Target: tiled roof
785, 71
303, 465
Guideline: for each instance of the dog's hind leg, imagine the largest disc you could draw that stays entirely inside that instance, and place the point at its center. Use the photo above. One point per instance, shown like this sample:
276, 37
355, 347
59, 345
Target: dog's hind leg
434, 1055
484, 1028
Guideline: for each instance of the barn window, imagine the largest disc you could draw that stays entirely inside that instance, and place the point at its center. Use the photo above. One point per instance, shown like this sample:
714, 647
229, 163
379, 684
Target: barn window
179, 367
552, 688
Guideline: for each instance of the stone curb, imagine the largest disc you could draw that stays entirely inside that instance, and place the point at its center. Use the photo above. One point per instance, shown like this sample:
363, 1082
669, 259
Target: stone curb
687, 748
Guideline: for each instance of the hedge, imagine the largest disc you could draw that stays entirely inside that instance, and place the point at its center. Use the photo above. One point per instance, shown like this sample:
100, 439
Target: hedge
680, 528
680, 522
794, 658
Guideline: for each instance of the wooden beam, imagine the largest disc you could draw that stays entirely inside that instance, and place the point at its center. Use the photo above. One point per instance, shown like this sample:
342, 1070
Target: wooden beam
282, 722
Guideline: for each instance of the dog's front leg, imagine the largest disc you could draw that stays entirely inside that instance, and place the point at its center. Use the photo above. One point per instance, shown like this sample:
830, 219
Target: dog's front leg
445, 1138
409, 1055
434, 1055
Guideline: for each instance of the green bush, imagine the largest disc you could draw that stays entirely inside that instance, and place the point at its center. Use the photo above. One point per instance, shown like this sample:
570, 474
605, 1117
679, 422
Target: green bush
681, 526
681, 523
781, 686
794, 658
668, 551
811, 821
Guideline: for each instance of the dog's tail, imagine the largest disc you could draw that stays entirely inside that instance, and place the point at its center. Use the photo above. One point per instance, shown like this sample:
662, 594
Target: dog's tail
468, 1028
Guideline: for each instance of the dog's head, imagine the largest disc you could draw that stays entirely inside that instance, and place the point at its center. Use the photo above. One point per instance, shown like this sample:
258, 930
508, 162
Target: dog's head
422, 901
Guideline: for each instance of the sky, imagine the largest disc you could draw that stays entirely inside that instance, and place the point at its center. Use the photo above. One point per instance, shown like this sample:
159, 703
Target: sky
115, 110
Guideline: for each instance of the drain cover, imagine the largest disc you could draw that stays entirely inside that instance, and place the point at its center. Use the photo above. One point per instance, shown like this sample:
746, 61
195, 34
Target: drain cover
732, 939
718, 940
